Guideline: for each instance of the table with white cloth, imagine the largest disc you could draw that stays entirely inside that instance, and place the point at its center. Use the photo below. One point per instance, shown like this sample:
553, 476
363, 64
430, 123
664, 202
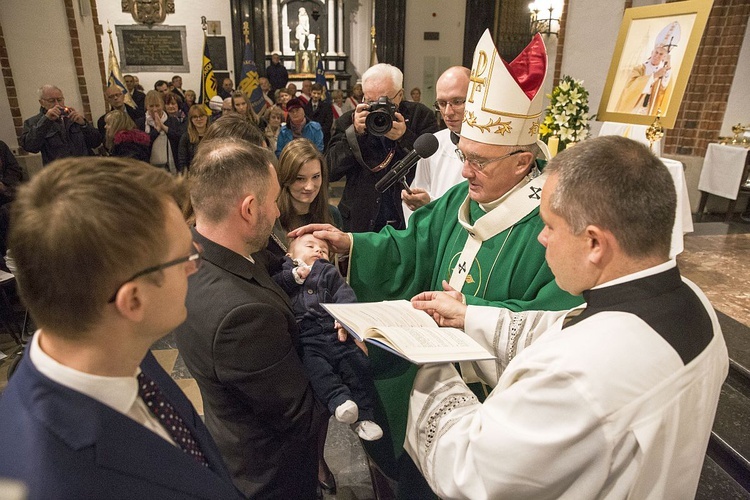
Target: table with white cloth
631, 131
683, 220
725, 170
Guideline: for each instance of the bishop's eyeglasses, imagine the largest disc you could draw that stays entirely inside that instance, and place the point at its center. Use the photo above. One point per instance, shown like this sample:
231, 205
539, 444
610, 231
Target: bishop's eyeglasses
481, 165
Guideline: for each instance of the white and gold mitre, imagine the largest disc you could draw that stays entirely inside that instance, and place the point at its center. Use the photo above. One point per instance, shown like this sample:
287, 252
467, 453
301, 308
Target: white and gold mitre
504, 102
669, 36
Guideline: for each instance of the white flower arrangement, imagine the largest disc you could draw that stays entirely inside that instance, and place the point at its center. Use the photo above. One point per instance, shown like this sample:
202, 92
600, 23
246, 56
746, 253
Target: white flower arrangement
567, 114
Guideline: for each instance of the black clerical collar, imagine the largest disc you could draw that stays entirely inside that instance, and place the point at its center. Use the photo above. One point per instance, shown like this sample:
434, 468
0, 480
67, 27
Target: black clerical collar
609, 297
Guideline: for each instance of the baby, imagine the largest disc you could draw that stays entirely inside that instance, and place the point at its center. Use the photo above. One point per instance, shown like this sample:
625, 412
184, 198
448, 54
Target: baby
339, 372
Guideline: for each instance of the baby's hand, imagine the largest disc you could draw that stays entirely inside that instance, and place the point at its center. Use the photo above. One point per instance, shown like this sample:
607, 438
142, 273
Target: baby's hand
303, 271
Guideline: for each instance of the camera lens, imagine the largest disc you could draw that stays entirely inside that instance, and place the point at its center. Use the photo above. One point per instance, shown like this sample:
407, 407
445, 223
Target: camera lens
379, 122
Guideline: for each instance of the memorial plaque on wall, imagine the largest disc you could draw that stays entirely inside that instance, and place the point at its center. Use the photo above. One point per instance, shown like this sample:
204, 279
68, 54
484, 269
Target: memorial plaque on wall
217, 49
158, 48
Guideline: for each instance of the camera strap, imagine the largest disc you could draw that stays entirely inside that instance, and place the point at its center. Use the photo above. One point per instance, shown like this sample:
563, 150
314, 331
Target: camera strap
351, 138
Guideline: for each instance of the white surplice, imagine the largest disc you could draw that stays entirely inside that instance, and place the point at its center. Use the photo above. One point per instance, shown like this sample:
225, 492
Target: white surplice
605, 408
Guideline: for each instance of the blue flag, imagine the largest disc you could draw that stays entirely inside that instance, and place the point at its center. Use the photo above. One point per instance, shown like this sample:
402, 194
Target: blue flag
320, 77
249, 83
208, 79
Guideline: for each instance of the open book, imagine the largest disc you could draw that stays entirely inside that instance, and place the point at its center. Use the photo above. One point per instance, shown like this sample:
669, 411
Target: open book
407, 332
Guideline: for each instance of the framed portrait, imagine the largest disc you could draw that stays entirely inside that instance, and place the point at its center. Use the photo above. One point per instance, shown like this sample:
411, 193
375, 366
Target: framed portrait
305, 61
655, 50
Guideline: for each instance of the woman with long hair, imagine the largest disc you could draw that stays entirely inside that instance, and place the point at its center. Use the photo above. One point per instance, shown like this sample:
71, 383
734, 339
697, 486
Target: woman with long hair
303, 178
197, 125
241, 105
123, 139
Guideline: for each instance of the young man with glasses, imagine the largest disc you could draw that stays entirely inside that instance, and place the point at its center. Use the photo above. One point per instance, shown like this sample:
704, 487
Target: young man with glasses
441, 171
364, 158
103, 256
58, 131
479, 238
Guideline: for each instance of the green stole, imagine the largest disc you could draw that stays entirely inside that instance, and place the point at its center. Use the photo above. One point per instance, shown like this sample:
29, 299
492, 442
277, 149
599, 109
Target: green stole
517, 204
399, 264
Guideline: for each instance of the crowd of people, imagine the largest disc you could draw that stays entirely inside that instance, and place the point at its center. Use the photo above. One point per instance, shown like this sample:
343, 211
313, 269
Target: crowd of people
608, 364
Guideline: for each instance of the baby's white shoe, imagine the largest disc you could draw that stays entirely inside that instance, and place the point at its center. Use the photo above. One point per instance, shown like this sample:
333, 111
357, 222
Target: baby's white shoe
347, 412
368, 430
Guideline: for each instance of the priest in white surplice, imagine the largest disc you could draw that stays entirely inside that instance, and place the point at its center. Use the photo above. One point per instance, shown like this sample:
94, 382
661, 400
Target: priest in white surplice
613, 399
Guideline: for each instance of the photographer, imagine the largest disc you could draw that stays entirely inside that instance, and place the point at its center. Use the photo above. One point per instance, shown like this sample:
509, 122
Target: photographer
58, 131
368, 141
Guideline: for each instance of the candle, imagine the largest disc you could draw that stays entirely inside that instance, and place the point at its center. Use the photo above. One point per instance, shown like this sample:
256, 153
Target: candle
552, 144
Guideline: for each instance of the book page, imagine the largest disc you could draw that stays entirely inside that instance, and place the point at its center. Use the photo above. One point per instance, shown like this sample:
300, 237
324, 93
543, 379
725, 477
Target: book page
415, 337
360, 317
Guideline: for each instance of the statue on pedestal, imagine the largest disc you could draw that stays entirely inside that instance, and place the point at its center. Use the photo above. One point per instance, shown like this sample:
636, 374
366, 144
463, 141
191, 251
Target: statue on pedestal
303, 29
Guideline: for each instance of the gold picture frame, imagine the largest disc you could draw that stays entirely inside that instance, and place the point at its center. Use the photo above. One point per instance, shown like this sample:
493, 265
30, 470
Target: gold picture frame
655, 51
305, 61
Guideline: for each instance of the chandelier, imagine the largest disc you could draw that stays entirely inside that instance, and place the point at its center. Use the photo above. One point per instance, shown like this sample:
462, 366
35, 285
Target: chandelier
545, 16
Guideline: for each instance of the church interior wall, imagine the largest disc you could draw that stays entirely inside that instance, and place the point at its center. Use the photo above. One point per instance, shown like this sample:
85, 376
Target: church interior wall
40, 52
37, 40
187, 13
358, 13
590, 38
90, 54
425, 60
7, 128
738, 104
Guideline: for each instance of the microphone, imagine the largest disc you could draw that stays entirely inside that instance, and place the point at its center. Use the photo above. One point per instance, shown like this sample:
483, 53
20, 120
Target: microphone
424, 147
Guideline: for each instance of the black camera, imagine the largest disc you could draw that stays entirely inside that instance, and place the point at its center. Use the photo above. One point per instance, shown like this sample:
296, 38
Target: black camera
382, 114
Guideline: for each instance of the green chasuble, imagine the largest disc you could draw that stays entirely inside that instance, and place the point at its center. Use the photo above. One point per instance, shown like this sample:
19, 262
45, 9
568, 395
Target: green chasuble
509, 270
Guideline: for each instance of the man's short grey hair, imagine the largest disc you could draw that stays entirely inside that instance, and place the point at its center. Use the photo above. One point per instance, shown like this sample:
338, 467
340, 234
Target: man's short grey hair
383, 70
44, 88
619, 185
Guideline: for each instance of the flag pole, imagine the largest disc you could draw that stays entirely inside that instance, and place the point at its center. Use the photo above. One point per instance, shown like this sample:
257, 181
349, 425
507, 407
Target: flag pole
115, 76
208, 80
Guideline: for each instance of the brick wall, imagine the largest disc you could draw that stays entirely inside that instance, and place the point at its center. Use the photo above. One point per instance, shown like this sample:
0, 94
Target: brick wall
99, 32
704, 104
10, 86
78, 59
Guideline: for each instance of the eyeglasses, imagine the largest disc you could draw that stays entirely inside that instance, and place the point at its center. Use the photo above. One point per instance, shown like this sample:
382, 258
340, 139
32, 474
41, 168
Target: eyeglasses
194, 257
53, 100
364, 98
456, 103
480, 165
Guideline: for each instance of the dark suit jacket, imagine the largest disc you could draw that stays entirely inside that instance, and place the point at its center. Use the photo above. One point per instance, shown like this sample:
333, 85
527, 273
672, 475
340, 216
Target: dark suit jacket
240, 342
176, 129
64, 444
360, 201
57, 139
322, 115
140, 100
